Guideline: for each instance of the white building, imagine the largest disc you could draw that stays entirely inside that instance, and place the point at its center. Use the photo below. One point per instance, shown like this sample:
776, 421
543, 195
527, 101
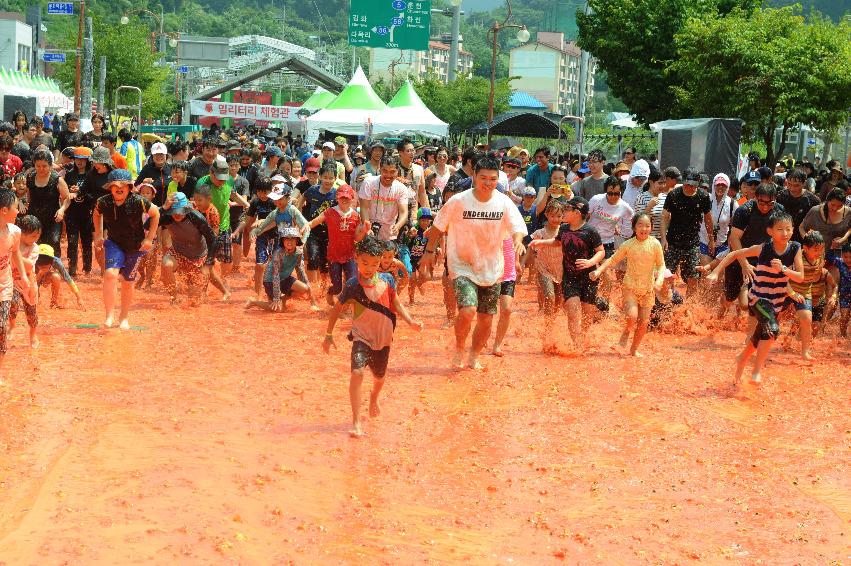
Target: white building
15, 43
548, 69
418, 64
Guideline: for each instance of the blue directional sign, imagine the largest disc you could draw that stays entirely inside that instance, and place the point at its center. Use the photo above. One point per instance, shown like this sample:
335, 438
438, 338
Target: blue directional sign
63, 8
53, 57
183, 69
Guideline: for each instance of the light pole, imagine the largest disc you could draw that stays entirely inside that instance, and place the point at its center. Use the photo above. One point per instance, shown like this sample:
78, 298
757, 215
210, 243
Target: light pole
77, 83
522, 36
125, 19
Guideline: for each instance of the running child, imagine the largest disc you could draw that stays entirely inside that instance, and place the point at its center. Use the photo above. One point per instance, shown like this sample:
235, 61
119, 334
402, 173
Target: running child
446, 282
21, 296
190, 250
393, 266
10, 258
204, 205
121, 214
645, 275
19, 185
376, 304
258, 209
808, 297
549, 261
582, 250
416, 240
278, 280
768, 291
49, 269
148, 265
344, 231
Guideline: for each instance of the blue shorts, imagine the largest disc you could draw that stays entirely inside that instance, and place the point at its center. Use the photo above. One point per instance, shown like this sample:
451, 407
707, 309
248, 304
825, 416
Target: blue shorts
704, 249
404, 254
261, 250
807, 305
126, 263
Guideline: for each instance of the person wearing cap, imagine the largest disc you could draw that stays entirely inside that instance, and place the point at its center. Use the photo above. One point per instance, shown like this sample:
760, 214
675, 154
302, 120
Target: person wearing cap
50, 269
132, 151
592, 184
200, 165
327, 151
747, 188
157, 172
516, 183
273, 160
621, 171
189, 254
684, 209
341, 155
78, 217
311, 175
278, 280
370, 167
122, 214
635, 183
49, 198
222, 194
723, 208
581, 249
70, 136
344, 231
477, 222
316, 200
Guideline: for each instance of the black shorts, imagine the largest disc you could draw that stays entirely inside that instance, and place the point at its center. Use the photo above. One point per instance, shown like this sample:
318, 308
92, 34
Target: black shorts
316, 250
767, 327
684, 258
364, 356
580, 286
733, 281
507, 289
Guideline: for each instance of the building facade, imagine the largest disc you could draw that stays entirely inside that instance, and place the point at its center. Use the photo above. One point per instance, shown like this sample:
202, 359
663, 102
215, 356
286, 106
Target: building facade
418, 64
548, 69
16, 40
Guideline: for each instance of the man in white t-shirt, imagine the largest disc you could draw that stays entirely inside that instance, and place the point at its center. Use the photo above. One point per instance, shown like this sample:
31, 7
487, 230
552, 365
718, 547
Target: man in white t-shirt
477, 221
384, 200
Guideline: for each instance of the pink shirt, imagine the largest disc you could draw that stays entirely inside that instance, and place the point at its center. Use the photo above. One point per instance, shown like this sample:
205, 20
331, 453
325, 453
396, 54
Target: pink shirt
510, 272
10, 241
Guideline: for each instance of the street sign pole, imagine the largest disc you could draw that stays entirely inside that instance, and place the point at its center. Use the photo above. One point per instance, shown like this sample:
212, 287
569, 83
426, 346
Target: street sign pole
77, 84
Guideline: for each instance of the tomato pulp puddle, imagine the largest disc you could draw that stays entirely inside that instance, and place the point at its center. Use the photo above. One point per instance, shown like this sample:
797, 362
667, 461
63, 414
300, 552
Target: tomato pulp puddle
217, 436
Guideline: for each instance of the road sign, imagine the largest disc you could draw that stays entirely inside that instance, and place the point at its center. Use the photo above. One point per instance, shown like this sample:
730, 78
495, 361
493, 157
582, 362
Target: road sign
63, 8
183, 69
392, 24
53, 57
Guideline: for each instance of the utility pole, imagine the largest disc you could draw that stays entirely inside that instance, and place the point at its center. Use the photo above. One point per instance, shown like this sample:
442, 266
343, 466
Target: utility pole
79, 57
102, 86
455, 40
88, 71
584, 62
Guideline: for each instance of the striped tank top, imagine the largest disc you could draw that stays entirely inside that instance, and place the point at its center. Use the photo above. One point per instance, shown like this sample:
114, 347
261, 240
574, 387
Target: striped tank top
770, 283
813, 286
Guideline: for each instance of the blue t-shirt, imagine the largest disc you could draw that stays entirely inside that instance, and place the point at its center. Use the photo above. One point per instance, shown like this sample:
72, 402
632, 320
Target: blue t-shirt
529, 217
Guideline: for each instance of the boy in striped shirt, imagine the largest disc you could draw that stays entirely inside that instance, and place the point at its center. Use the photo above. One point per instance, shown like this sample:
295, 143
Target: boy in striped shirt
769, 288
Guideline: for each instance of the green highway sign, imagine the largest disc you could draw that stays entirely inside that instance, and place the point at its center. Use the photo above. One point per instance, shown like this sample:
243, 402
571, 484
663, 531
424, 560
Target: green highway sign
392, 24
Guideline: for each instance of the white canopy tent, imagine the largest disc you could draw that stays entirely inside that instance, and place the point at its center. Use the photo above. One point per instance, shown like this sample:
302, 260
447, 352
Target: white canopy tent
30, 93
407, 113
353, 112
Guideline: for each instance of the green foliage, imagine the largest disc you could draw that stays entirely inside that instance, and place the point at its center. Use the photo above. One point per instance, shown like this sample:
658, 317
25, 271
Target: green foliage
129, 62
464, 102
769, 67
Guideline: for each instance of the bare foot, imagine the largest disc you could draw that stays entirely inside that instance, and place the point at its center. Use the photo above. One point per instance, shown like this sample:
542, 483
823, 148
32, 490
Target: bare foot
357, 430
315, 308
624, 339
449, 322
374, 408
807, 356
458, 360
225, 296
124, 325
109, 322
35, 342
756, 378
474, 363
741, 362
636, 354
497, 351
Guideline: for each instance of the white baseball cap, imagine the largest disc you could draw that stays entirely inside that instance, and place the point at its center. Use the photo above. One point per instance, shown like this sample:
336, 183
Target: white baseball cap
159, 147
328, 145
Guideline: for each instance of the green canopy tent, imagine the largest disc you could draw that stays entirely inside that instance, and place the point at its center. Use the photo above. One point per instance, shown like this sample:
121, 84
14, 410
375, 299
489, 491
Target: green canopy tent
352, 112
407, 114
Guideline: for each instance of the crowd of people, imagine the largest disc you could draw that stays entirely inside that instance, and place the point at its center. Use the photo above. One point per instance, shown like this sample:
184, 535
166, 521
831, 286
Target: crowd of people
354, 225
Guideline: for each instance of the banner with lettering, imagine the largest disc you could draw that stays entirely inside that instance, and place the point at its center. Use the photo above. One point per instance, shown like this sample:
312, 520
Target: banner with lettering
241, 111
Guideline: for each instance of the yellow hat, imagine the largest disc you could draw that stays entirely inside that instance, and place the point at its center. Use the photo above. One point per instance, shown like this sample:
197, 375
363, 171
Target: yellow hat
45, 249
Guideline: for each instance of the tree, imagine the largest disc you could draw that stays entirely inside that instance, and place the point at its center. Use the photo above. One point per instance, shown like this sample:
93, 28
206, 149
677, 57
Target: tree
129, 62
463, 102
634, 43
769, 67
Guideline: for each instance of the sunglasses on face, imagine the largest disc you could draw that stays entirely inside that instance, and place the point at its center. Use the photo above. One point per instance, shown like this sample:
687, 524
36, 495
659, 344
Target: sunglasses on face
765, 202
613, 194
